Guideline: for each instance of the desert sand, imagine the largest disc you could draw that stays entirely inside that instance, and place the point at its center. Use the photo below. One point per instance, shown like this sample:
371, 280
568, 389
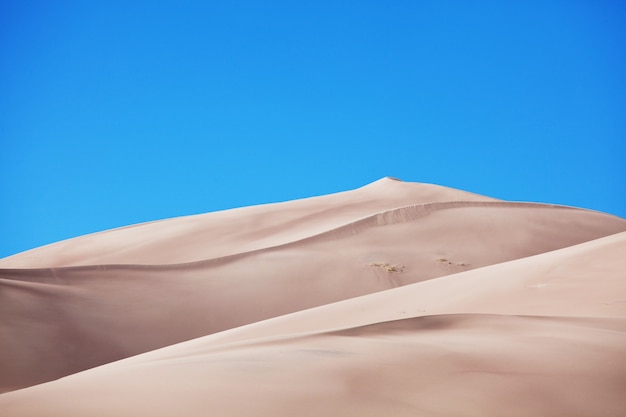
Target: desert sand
394, 299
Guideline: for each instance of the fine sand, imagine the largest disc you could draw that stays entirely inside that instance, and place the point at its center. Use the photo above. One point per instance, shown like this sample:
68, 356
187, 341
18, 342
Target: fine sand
394, 299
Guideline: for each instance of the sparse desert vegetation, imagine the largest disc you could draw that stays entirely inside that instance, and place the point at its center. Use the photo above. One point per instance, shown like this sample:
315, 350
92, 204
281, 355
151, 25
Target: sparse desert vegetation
388, 267
448, 262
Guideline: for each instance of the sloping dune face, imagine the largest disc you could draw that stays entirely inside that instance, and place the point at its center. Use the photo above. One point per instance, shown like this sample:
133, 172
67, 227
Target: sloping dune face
393, 299
211, 235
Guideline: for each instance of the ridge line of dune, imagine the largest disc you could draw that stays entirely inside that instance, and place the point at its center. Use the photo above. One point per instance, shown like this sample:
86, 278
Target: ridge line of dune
413, 212
211, 347
386, 217
236, 208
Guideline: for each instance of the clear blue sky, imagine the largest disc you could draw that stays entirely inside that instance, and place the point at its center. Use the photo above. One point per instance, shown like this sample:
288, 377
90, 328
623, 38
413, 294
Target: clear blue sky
117, 112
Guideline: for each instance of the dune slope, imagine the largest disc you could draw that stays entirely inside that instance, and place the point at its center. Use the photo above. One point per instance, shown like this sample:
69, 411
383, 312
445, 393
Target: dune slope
435, 302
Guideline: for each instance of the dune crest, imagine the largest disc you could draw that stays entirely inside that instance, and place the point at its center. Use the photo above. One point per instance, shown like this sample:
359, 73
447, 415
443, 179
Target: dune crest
395, 298
211, 235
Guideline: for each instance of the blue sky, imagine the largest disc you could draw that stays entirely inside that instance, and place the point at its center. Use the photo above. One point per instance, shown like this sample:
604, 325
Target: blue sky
119, 112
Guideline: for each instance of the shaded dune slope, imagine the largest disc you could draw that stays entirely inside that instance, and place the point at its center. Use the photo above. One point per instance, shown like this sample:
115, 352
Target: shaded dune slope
384, 300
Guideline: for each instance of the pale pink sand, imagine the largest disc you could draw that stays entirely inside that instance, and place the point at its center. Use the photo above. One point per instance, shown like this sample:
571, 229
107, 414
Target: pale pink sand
204, 236
464, 305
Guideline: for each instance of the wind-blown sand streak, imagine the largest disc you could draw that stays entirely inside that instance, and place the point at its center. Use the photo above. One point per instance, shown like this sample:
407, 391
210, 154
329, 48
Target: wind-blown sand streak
423, 308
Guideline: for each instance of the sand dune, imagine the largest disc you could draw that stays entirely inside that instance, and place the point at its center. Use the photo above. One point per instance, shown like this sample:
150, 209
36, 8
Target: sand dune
211, 235
392, 299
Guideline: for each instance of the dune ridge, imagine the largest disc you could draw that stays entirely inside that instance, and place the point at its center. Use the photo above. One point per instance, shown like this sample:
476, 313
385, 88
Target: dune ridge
409, 300
184, 239
387, 217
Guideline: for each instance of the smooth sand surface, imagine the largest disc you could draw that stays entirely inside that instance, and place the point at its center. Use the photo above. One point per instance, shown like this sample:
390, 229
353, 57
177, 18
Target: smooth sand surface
211, 235
392, 299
